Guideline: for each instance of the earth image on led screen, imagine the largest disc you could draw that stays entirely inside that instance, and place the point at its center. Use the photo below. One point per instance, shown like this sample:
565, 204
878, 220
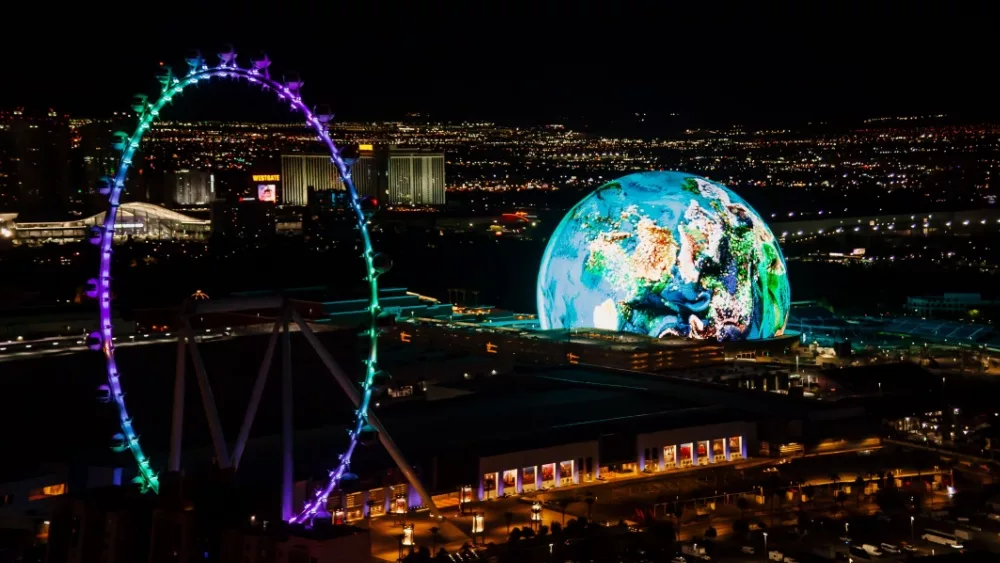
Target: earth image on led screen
665, 254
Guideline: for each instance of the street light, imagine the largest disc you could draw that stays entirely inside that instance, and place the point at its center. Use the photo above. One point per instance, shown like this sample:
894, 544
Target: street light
407, 534
536, 513
765, 543
912, 535
478, 525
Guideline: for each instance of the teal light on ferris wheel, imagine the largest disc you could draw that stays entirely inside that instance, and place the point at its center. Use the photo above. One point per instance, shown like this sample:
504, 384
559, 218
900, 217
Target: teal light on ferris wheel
103, 237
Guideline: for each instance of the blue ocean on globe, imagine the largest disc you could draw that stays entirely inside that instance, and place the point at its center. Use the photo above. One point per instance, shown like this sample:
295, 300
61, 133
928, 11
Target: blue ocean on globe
665, 254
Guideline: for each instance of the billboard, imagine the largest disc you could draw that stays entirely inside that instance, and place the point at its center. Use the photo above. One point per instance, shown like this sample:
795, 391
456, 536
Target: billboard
267, 192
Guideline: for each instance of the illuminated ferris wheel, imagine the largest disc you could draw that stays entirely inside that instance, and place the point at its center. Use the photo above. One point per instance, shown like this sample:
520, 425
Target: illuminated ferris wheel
365, 426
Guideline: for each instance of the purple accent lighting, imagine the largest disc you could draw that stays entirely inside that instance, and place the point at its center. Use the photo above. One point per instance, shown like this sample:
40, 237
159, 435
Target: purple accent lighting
172, 86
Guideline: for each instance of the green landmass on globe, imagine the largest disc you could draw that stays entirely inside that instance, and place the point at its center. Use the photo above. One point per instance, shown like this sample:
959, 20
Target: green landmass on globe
665, 254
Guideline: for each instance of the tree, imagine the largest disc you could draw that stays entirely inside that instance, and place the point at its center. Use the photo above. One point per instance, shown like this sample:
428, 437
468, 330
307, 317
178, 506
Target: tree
859, 483
508, 517
590, 499
841, 497
743, 505
741, 526
711, 533
678, 512
435, 537
556, 528
563, 503
834, 479
514, 535
543, 531
527, 533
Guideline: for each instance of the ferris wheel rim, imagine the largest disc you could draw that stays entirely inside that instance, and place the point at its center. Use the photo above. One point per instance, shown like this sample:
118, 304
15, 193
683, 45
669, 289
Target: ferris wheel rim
100, 287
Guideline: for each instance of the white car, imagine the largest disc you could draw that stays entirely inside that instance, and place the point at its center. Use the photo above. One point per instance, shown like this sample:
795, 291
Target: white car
748, 549
889, 548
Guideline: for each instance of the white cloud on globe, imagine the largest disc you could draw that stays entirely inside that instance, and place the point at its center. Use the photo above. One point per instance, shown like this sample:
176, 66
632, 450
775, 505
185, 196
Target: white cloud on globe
606, 315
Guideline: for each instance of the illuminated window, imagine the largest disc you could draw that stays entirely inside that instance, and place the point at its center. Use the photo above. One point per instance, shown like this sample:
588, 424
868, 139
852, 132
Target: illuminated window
49, 491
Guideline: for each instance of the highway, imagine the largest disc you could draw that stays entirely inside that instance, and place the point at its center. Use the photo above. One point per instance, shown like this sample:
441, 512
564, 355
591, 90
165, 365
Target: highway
14, 350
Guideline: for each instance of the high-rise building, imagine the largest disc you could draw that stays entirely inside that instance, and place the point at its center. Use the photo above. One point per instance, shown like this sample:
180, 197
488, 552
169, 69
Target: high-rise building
398, 176
415, 177
190, 187
299, 172
366, 175
34, 161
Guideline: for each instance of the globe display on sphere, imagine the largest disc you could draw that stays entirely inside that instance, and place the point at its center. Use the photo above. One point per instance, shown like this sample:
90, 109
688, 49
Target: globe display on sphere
665, 254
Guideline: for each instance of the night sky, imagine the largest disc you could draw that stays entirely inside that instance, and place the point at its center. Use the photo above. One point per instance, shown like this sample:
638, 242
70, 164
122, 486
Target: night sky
375, 60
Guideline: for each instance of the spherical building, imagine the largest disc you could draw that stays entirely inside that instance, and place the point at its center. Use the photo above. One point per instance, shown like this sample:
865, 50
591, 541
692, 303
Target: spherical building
665, 254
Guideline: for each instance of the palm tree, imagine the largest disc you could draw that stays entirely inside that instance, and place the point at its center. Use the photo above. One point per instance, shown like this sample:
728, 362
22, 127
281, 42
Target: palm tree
743, 505
860, 484
678, 512
590, 500
563, 503
834, 479
434, 537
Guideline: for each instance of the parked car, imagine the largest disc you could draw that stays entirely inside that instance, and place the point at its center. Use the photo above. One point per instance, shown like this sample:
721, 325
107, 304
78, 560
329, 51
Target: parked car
748, 549
871, 550
889, 548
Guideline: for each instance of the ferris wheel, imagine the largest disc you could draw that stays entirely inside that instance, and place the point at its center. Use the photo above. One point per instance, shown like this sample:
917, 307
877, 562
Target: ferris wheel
365, 425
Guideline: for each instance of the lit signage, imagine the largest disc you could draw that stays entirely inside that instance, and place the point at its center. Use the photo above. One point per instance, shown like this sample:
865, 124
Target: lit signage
267, 192
573, 358
266, 177
366, 147
404, 337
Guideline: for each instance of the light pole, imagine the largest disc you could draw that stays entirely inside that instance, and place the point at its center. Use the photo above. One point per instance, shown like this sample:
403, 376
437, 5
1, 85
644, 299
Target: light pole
912, 535
408, 534
765, 543
478, 525
536, 514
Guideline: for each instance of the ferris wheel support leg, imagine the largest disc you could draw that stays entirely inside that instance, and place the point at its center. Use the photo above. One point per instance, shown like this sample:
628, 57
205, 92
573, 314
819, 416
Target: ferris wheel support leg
287, 469
207, 399
397, 456
258, 392
177, 418
352, 393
